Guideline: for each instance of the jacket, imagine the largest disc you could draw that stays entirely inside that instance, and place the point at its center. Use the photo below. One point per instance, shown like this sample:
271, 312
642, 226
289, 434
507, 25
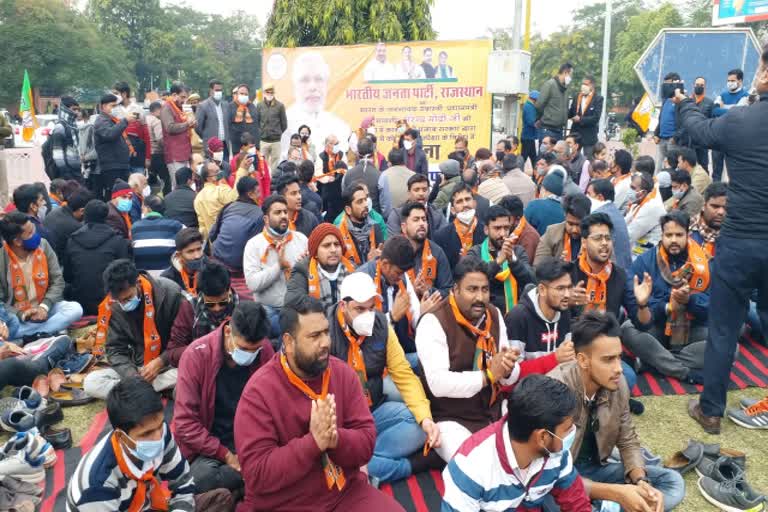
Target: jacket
727, 100
330, 191
237, 223
493, 189
680, 136
449, 242
65, 151
530, 132
698, 304
435, 222
177, 144
111, 149
740, 135
393, 188
443, 198
587, 126
272, 120
209, 202
691, 203
520, 185
529, 240
154, 241
305, 222
298, 285
195, 403
366, 172
208, 121
552, 105
542, 213
155, 127
420, 165
55, 291
311, 201
700, 179
537, 337
551, 244
125, 338
236, 130
116, 221
622, 249
521, 269
87, 254
180, 205
60, 224
616, 427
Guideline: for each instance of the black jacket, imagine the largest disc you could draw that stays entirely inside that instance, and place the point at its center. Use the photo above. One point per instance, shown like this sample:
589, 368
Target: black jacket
421, 164
236, 130
88, 252
111, 148
449, 242
741, 135
306, 222
588, 124
60, 224
526, 324
620, 293
521, 269
180, 206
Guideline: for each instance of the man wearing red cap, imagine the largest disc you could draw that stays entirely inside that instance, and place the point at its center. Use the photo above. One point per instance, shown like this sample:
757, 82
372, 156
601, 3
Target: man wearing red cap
321, 274
120, 205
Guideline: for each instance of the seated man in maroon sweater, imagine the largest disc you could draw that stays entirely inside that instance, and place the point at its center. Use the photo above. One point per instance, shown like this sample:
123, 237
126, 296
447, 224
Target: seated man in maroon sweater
303, 428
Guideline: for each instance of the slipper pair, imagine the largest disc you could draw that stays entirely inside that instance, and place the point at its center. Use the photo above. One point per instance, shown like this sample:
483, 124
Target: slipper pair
690, 458
65, 390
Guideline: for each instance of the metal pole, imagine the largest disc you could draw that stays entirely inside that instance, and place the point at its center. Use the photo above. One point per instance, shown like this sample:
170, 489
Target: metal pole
606, 54
527, 38
511, 107
517, 26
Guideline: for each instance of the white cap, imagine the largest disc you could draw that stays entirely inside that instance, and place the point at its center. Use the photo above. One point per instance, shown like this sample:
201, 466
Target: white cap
359, 287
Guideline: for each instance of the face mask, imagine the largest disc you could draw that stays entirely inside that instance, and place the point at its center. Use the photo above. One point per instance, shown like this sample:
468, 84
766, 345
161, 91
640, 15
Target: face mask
541, 171
42, 212
733, 86
269, 97
408, 144
119, 100
199, 168
242, 99
193, 186
336, 148
217, 95
699, 89
677, 194
276, 231
218, 156
369, 204
131, 305
194, 265
243, 357
585, 90
146, 191
567, 80
632, 196
148, 451
567, 441
32, 243
80, 123
499, 156
363, 323
371, 130
466, 216
304, 138
124, 205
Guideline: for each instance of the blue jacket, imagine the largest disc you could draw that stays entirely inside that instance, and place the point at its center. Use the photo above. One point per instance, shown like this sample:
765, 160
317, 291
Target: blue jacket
530, 132
622, 249
154, 241
237, 223
728, 99
698, 303
667, 120
542, 213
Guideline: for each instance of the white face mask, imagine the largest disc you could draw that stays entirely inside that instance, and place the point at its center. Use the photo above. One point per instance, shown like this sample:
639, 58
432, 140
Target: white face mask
242, 99
567, 80
193, 186
369, 202
119, 100
363, 323
269, 97
585, 90
408, 144
466, 216
336, 148
217, 95
733, 86
371, 130
146, 191
218, 156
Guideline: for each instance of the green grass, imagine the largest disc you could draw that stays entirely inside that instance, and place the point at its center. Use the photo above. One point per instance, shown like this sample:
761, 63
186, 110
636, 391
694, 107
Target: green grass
666, 427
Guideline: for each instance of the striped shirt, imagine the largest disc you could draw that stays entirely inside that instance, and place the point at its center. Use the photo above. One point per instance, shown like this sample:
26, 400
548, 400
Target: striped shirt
98, 483
154, 242
484, 475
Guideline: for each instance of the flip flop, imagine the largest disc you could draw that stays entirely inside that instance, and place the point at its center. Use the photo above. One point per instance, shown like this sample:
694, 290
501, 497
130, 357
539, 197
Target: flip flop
56, 378
70, 397
40, 384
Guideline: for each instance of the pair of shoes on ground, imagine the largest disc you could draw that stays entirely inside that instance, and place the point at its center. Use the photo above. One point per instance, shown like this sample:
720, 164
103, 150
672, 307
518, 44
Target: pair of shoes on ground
25, 410
25, 456
65, 388
753, 413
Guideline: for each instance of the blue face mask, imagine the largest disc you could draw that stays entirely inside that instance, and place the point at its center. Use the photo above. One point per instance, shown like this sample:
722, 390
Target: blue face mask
32, 243
124, 205
131, 305
243, 357
567, 441
148, 451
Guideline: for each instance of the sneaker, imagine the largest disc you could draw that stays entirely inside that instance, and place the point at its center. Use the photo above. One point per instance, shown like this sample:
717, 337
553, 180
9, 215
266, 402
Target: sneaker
19, 487
732, 495
31, 398
720, 469
715, 451
19, 420
33, 445
74, 363
687, 459
746, 403
21, 468
753, 417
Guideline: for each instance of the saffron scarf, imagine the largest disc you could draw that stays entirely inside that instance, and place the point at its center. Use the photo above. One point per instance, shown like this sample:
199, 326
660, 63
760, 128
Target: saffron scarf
401, 289
567, 256
158, 495
152, 342
276, 245
314, 275
586, 107
695, 272
128, 222
355, 355
350, 249
243, 114
428, 266
485, 346
597, 290
190, 281
178, 115
334, 475
18, 284
131, 150
467, 238
505, 276
102, 325
634, 209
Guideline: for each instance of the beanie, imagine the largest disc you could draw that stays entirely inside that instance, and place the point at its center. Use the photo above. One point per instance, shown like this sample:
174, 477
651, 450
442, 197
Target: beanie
215, 145
319, 233
120, 189
449, 168
553, 182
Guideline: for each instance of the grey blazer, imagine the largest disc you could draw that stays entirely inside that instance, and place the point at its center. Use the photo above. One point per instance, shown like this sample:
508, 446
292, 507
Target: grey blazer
207, 121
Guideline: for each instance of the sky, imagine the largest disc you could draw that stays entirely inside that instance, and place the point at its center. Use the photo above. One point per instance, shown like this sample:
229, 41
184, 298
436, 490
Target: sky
452, 19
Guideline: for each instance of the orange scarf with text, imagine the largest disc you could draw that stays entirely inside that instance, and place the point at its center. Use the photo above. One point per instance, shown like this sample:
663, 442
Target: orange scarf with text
152, 342
485, 347
597, 290
567, 251
355, 355
18, 284
102, 325
466, 234
131, 150
158, 495
314, 275
350, 249
277, 246
334, 475
428, 266
243, 115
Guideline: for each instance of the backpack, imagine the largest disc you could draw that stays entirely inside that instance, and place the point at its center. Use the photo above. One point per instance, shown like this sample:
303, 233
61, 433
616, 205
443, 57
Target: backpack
47, 152
87, 143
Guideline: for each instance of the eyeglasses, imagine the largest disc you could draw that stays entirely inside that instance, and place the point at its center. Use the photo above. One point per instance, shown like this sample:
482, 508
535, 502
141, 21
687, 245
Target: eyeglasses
220, 303
600, 238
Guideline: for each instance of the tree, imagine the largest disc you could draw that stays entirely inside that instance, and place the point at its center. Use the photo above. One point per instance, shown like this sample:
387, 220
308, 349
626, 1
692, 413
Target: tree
338, 22
62, 51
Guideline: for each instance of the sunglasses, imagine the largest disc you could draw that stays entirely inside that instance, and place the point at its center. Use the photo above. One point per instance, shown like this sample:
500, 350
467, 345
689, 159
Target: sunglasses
220, 303
594, 421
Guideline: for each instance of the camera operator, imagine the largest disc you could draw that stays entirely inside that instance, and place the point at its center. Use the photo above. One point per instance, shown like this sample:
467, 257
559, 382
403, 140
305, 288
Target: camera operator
669, 132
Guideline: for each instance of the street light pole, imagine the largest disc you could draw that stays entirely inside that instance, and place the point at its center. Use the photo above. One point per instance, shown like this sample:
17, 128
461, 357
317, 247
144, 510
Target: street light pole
606, 54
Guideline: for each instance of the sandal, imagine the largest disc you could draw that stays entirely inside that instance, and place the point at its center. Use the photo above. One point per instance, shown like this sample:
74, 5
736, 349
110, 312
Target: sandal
70, 397
56, 378
40, 384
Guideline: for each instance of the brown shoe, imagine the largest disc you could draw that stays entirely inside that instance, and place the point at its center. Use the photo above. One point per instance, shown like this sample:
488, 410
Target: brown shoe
710, 424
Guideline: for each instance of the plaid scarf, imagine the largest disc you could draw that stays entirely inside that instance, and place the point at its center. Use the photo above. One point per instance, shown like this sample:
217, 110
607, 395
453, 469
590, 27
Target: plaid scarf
203, 323
708, 234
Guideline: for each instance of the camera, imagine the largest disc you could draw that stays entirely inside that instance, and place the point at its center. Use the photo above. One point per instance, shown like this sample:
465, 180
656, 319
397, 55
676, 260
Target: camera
668, 89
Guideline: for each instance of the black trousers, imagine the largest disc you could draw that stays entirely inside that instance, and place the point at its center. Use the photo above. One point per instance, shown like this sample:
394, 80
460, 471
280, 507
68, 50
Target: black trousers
158, 169
528, 150
101, 184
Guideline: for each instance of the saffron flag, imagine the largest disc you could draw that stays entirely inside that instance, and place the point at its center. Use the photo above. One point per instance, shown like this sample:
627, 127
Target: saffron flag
27, 110
642, 114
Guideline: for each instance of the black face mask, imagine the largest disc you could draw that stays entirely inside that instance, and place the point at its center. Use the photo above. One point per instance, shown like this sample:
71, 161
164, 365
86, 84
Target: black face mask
304, 138
699, 89
499, 156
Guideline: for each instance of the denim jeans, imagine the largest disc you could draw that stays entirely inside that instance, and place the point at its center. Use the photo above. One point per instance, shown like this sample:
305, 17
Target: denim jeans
629, 375
738, 270
389, 388
61, 316
273, 314
669, 482
555, 134
22, 370
755, 325
397, 436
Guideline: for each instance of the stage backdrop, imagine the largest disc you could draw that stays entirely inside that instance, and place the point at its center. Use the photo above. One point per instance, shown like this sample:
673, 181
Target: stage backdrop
438, 86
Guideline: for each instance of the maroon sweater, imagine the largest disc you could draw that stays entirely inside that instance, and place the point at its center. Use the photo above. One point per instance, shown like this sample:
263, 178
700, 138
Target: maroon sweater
279, 457
196, 395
